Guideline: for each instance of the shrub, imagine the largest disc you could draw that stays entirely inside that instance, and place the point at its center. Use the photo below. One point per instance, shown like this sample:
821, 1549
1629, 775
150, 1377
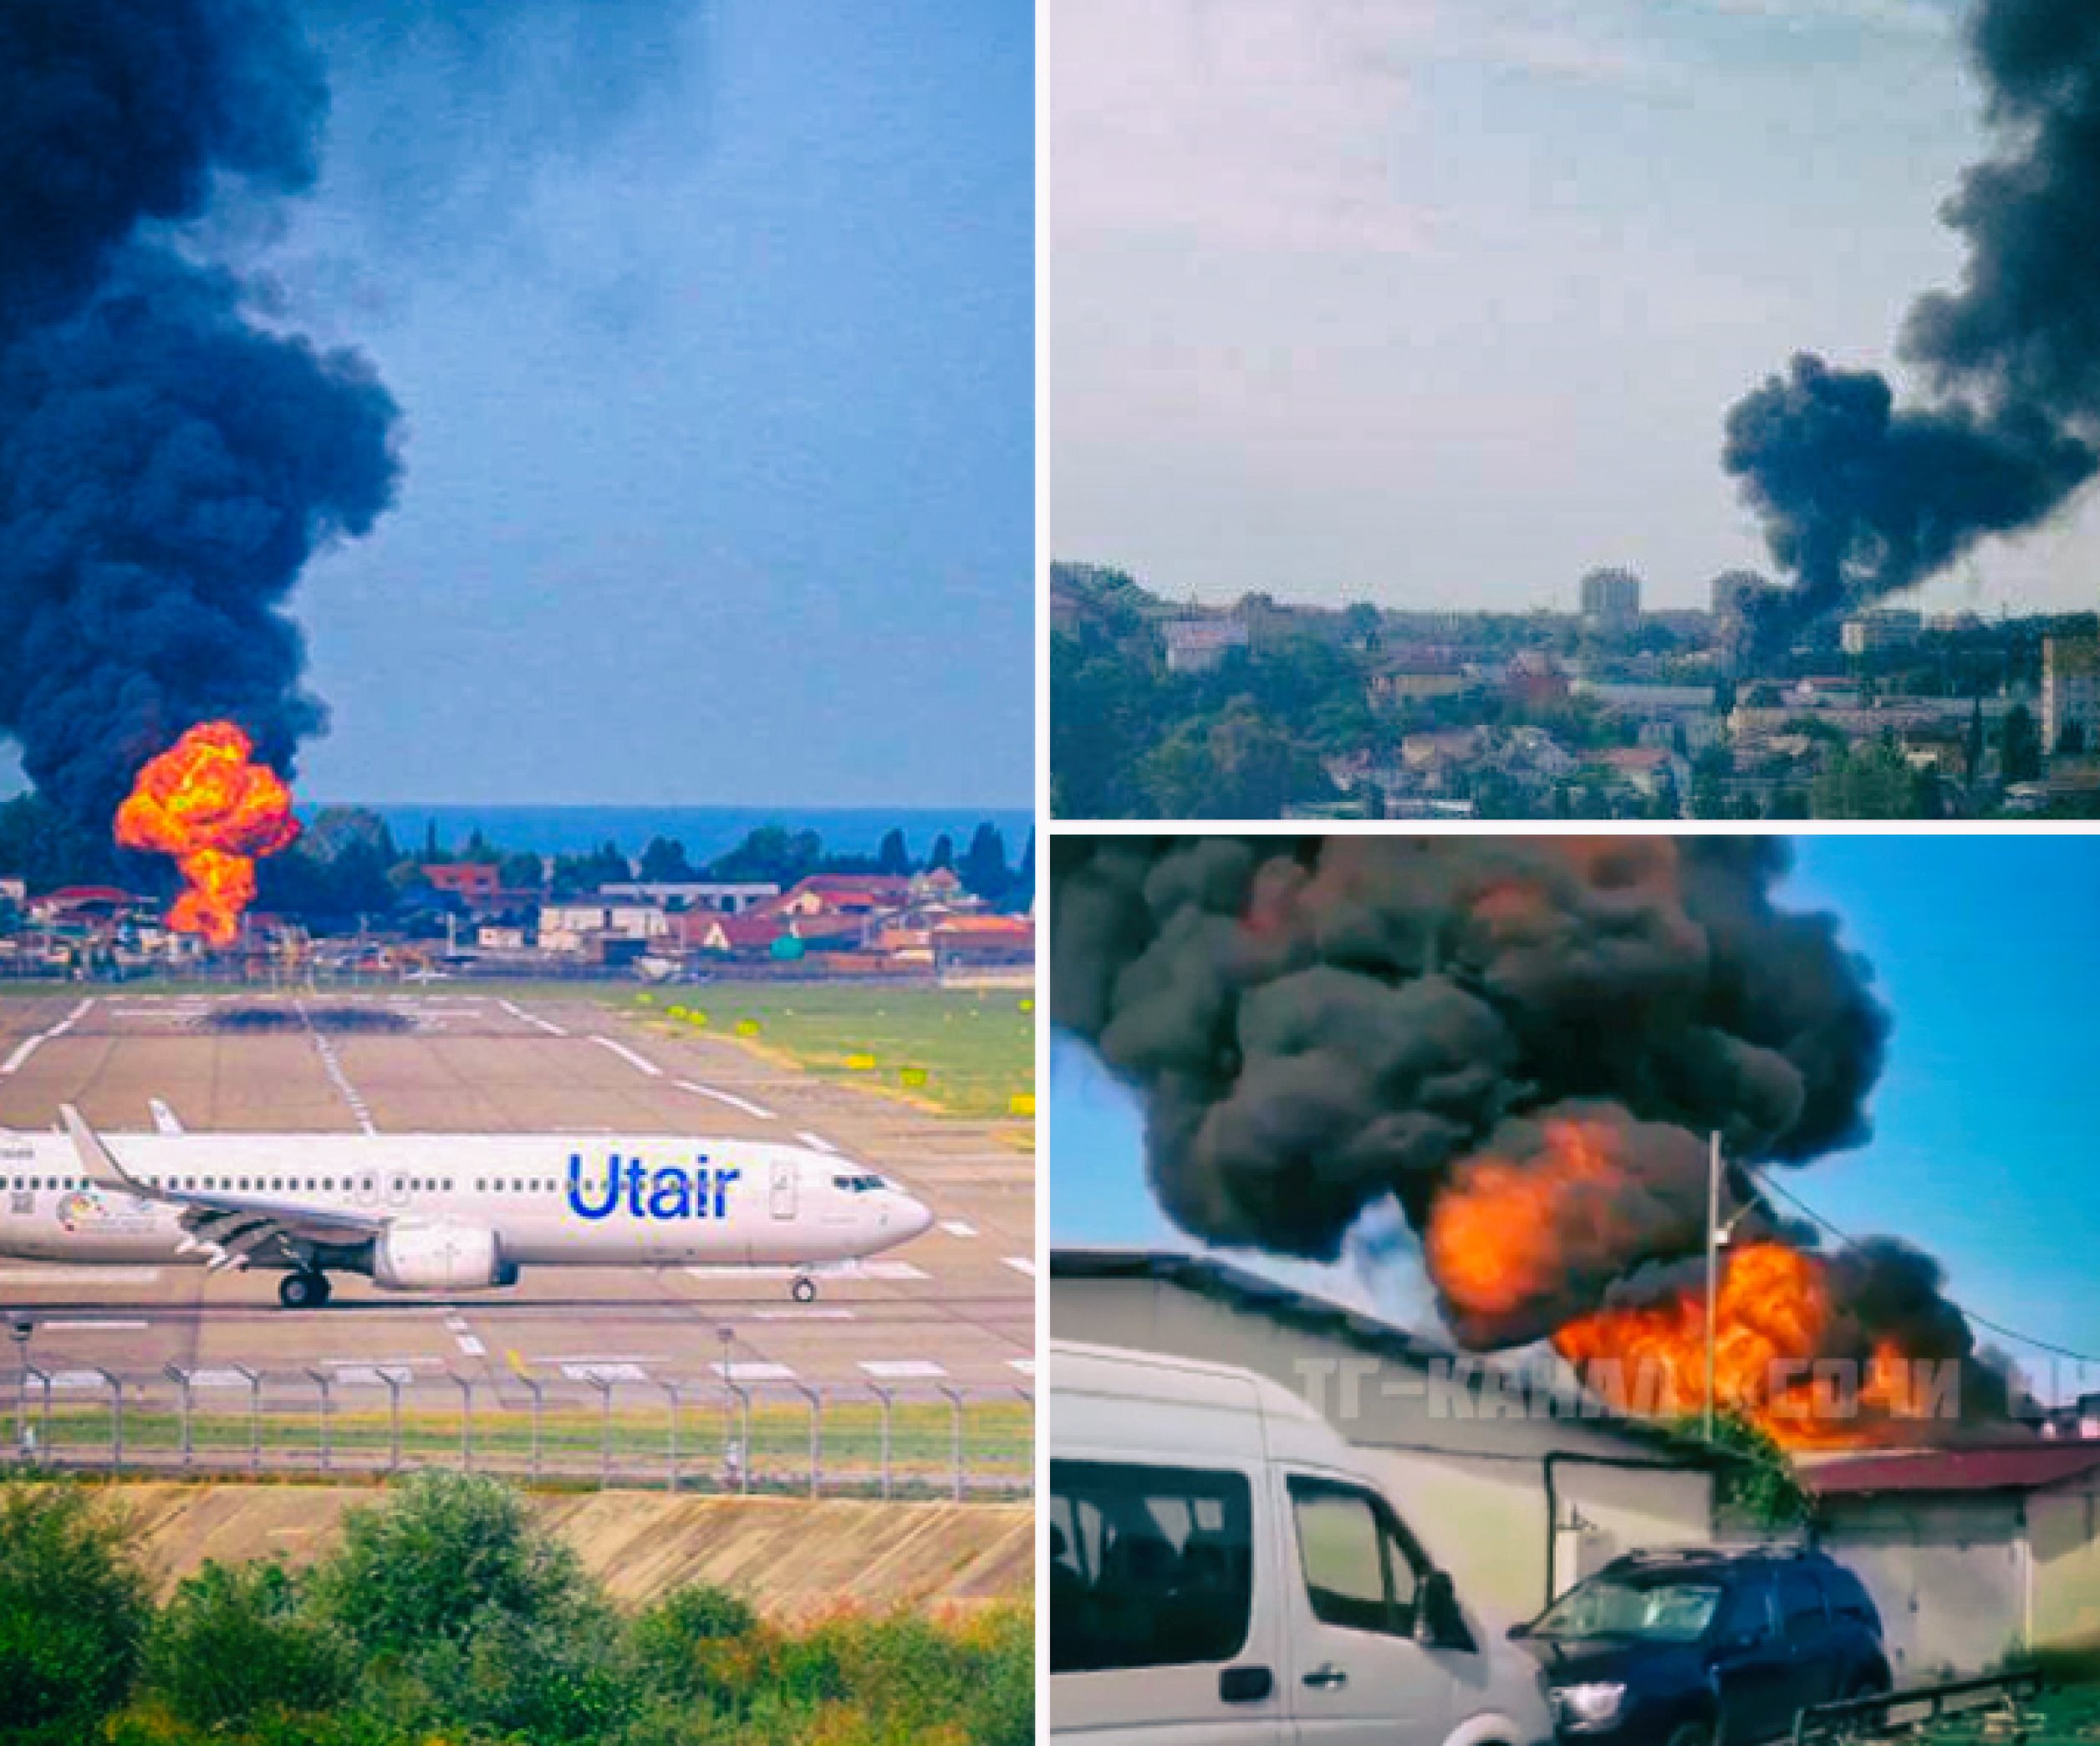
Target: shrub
74, 1610
231, 1644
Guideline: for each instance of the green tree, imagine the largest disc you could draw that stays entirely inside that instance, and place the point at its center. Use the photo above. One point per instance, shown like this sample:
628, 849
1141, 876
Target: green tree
1868, 782
232, 1645
893, 860
2020, 745
74, 1612
1759, 1489
944, 854
983, 872
771, 852
663, 861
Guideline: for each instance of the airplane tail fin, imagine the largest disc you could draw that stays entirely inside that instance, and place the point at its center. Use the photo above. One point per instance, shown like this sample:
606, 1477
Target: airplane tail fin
97, 1162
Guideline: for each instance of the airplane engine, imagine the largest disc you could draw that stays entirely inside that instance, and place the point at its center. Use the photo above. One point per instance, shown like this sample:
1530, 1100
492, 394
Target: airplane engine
439, 1257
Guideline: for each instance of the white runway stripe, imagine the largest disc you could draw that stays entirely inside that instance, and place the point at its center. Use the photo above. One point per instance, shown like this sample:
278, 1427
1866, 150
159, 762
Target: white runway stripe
640, 1062
734, 1102
957, 1228
1020, 1264
29, 1047
817, 1141
95, 1327
79, 1275
899, 1271
902, 1370
519, 1012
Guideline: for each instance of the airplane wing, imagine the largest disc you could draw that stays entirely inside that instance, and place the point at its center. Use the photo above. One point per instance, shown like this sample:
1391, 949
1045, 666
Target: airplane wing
234, 1229
165, 1119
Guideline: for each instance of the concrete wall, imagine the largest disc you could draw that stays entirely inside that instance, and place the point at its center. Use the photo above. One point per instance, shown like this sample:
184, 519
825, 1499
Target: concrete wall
1470, 1475
2063, 1538
1949, 1576
790, 1557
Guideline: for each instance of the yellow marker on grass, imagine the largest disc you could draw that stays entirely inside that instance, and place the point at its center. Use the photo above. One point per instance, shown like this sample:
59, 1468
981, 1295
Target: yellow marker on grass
912, 1075
1021, 1103
860, 1063
747, 1026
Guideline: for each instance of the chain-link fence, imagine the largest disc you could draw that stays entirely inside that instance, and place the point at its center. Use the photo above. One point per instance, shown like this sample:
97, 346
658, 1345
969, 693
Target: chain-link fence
615, 1426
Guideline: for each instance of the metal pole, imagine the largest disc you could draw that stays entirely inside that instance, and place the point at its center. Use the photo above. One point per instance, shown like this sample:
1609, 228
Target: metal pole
605, 1387
181, 1379
255, 1419
321, 1382
394, 1401
530, 1383
466, 1423
1713, 1270
955, 1404
672, 1389
883, 1395
816, 1435
116, 1421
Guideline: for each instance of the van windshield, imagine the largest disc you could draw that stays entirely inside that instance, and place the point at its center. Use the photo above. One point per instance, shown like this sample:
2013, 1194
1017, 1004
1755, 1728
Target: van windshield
1663, 1612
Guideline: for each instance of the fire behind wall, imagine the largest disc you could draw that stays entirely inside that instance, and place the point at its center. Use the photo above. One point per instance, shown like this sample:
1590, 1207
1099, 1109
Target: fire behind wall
1521, 1044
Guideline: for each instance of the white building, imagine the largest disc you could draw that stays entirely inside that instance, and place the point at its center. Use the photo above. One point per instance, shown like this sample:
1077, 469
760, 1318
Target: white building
1518, 1503
724, 897
564, 927
2070, 689
1199, 645
1890, 627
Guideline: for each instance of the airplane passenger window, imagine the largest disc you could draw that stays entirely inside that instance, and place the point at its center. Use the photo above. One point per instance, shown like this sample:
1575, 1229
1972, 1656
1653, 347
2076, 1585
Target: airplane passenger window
1151, 1566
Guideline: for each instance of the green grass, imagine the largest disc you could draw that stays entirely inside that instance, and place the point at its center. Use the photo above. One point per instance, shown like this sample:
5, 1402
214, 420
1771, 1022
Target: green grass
997, 1436
974, 1048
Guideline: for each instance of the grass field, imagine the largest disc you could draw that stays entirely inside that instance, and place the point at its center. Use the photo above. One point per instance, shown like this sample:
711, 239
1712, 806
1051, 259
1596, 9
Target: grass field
968, 1051
996, 1438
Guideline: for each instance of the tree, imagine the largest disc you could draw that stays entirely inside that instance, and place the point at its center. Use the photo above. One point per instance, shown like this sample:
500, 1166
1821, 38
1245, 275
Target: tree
1868, 782
232, 1646
944, 854
1760, 1489
73, 1612
893, 860
663, 861
984, 871
771, 853
2020, 745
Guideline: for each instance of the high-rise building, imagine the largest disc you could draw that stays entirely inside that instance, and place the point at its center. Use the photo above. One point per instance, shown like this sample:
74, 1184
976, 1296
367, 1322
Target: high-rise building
1611, 598
2071, 691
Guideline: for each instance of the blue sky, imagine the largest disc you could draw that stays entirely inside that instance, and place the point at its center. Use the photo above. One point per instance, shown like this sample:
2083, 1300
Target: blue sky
1427, 301
1987, 952
714, 339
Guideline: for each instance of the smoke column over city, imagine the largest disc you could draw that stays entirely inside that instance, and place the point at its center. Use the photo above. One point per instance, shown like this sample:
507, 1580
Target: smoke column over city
169, 461
1521, 1044
1860, 498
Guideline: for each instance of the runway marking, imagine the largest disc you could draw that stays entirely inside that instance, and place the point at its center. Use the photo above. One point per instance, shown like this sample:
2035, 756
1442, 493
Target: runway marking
957, 1228
1026, 1366
902, 1370
614, 1372
30, 1045
78, 1379
79, 1275
888, 1270
734, 1102
332, 1064
13, 1062
817, 1141
641, 1063
95, 1327
740, 1373
1020, 1264
590, 1361
471, 1346
801, 1314
519, 1012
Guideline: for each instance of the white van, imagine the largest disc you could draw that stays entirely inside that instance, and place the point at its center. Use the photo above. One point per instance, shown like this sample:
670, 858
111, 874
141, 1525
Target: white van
1223, 1567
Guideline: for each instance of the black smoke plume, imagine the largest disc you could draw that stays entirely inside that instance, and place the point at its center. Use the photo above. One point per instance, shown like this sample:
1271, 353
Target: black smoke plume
1860, 499
168, 460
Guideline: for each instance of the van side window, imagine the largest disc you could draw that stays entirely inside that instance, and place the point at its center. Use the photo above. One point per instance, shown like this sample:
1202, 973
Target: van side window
1149, 1566
1359, 1574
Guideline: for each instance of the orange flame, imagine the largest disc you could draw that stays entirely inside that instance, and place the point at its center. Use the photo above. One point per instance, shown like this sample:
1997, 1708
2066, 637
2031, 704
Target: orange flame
205, 802
1769, 1323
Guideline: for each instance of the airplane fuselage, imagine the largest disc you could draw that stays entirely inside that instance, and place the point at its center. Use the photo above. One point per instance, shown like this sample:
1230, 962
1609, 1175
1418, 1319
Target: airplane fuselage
585, 1200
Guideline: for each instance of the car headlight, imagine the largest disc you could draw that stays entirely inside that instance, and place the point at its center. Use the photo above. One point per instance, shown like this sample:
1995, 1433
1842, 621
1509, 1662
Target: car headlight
1597, 1704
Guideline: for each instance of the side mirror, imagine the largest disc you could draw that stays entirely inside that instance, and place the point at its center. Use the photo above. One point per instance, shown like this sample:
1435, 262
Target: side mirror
1438, 1621
1521, 1630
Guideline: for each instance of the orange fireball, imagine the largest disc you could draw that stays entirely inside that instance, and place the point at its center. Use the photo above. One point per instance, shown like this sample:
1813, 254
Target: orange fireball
207, 803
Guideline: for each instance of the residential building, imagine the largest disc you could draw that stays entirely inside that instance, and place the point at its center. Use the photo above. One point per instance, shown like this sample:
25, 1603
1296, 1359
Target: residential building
1412, 682
1611, 600
471, 881
1201, 645
727, 897
1871, 633
2071, 693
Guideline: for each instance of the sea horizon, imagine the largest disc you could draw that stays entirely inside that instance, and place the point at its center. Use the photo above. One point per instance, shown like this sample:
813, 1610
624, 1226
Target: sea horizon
704, 831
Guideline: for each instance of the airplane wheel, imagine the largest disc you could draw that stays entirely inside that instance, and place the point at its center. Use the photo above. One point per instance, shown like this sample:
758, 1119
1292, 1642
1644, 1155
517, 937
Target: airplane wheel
302, 1290
805, 1290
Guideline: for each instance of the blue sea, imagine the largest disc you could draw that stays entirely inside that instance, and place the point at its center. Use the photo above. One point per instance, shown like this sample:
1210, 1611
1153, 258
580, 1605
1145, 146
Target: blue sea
707, 831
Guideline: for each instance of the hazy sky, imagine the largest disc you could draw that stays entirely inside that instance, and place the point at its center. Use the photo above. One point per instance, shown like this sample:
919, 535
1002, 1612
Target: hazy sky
1439, 301
712, 325
1983, 1120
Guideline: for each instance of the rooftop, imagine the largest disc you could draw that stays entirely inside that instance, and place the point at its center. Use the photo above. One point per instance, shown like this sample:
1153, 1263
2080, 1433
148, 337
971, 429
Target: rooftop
2005, 1466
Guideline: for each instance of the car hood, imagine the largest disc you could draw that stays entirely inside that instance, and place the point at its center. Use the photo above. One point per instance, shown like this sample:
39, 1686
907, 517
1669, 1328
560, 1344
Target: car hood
1577, 1661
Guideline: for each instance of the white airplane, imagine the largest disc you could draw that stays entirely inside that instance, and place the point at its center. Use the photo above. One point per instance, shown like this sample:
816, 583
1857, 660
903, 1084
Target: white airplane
437, 1212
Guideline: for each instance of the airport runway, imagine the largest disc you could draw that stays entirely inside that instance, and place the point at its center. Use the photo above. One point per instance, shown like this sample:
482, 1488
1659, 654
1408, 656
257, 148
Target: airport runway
955, 1307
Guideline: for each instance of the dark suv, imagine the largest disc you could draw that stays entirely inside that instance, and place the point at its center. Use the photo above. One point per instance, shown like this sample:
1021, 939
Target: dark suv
1687, 1647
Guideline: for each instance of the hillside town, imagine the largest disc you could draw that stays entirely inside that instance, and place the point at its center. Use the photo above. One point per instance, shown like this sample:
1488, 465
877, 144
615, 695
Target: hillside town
1262, 709
521, 916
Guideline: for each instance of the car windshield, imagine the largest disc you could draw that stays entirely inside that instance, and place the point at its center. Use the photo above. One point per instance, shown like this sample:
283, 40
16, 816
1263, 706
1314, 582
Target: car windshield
1665, 1612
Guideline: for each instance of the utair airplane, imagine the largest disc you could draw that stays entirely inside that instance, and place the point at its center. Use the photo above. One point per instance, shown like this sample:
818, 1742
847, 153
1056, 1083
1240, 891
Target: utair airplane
437, 1212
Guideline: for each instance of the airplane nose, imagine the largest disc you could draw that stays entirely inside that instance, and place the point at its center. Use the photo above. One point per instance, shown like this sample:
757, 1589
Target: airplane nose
918, 1217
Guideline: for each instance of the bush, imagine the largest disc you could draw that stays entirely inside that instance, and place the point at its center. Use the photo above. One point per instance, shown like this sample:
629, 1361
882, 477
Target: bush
74, 1610
677, 1644
232, 1646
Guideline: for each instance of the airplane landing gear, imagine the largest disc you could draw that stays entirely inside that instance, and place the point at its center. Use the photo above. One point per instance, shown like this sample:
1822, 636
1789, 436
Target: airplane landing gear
305, 1290
804, 1290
